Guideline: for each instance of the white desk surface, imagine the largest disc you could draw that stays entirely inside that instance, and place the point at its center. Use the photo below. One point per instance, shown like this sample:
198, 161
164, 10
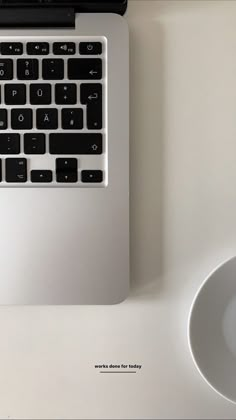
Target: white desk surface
183, 207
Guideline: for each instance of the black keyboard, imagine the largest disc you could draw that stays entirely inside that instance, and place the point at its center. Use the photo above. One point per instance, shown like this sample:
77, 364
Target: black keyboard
52, 119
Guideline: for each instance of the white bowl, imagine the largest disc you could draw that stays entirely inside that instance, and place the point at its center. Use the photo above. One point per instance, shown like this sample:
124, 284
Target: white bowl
212, 330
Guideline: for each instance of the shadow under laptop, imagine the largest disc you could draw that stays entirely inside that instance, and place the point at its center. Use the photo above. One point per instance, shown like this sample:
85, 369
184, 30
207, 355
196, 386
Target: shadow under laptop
146, 151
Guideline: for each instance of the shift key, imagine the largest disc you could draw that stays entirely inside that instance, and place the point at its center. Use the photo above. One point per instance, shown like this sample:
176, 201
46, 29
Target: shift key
76, 144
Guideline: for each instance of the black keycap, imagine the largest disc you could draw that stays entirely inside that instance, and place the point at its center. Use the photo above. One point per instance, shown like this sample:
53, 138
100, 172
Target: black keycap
64, 48
16, 170
21, 119
72, 119
0, 170
15, 94
3, 119
85, 68
34, 144
67, 170
40, 94
91, 95
75, 144
66, 94
66, 164
94, 116
43, 176
9, 144
6, 69
47, 119
11, 48
92, 176
27, 69
38, 48
90, 48
53, 69
67, 177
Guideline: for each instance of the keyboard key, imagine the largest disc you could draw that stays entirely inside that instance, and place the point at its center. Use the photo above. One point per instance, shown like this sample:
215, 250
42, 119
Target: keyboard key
91, 95
90, 48
0, 170
3, 119
84, 69
66, 94
9, 144
16, 170
75, 144
38, 48
40, 94
11, 48
66, 164
92, 176
47, 119
67, 177
43, 176
15, 94
67, 170
64, 48
94, 116
21, 119
34, 144
53, 69
72, 119
6, 69
27, 69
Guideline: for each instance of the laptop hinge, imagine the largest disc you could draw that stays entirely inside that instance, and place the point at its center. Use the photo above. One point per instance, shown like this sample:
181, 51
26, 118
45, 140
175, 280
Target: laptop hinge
19, 17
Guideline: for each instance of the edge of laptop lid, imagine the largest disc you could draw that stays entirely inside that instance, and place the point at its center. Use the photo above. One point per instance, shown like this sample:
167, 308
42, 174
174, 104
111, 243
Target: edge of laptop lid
53, 13
85, 6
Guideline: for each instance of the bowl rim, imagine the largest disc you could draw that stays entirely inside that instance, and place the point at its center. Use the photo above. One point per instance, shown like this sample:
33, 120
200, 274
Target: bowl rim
190, 316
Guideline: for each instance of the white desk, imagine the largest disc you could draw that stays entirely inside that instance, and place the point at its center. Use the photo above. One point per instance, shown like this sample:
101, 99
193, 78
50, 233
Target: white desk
183, 207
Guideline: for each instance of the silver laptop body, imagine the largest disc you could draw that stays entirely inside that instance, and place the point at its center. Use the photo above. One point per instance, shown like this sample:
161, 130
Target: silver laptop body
64, 233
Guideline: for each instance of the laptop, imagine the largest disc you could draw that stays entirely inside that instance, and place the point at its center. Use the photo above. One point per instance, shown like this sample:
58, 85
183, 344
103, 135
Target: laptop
64, 152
